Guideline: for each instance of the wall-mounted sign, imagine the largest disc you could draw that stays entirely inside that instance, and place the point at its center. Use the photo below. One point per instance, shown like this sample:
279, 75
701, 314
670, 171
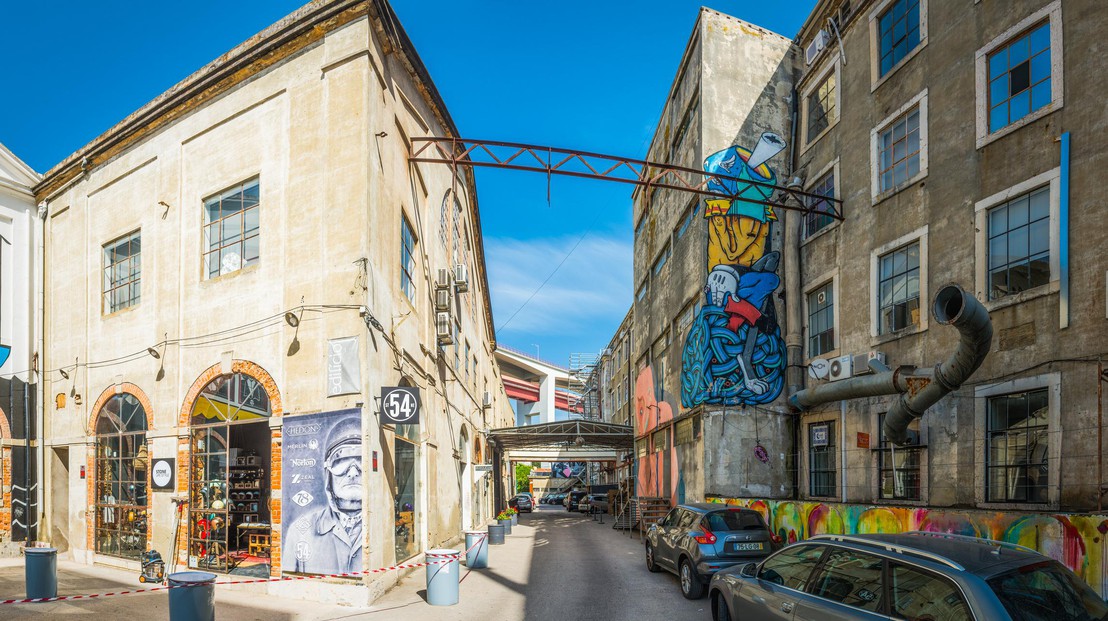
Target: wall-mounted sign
819, 435
400, 405
863, 440
482, 467
162, 474
343, 374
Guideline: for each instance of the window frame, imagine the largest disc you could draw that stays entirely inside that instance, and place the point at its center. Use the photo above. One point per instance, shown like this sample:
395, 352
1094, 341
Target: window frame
830, 279
832, 69
831, 449
831, 169
118, 507
109, 286
1053, 383
205, 235
1022, 429
876, 192
1051, 12
885, 448
876, 78
920, 235
1051, 178
407, 231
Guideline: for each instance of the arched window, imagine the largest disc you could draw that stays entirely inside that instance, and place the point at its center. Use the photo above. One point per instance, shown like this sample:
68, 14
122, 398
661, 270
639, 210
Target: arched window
121, 465
231, 398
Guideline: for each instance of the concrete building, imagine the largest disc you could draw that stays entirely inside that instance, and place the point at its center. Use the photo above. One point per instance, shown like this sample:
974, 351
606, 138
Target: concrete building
236, 273
539, 388
20, 329
963, 143
732, 86
614, 375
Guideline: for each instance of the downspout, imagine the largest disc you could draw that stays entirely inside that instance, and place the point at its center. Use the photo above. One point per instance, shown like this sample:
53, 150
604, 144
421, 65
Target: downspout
794, 342
1064, 234
952, 306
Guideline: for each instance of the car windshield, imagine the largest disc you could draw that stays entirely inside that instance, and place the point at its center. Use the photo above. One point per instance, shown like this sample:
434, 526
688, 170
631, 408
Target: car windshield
734, 520
1047, 591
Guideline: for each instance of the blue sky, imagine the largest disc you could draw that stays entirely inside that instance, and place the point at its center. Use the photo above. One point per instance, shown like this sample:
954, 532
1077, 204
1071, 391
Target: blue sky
590, 76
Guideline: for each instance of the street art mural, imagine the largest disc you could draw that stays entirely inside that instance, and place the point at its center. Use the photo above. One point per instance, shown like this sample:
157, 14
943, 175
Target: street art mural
1076, 541
734, 354
658, 470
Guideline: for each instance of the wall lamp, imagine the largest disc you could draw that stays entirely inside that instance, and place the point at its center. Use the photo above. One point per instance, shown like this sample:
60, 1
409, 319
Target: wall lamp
64, 374
292, 319
153, 352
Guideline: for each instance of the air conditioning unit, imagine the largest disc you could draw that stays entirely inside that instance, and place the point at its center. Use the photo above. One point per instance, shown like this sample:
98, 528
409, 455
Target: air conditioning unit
443, 280
486, 399
841, 368
816, 46
461, 278
442, 299
443, 332
861, 361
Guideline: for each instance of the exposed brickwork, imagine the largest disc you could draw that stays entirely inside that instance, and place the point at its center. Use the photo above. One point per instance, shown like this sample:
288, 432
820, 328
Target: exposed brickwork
5, 480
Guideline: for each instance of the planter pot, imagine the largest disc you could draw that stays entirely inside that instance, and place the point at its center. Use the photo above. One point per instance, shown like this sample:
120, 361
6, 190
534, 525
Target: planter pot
515, 519
507, 524
496, 535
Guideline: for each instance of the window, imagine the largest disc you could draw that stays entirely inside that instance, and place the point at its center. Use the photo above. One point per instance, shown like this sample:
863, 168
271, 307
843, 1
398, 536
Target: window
792, 567
683, 129
683, 431
640, 447
818, 217
231, 229
661, 440
898, 150
899, 467
821, 109
1069, 596
685, 319
121, 464
821, 320
1019, 244
1017, 435
821, 459
660, 262
690, 215
1019, 77
1019, 74
122, 273
641, 293
465, 358
407, 259
898, 30
899, 289
457, 348
851, 578
918, 594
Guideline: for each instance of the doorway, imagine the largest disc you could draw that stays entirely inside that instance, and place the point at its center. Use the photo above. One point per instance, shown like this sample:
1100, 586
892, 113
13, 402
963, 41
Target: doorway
229, 472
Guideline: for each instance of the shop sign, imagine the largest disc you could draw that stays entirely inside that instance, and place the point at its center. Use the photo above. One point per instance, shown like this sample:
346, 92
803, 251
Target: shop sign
863, 440
400, 405
162, 474
483, 467
343, 374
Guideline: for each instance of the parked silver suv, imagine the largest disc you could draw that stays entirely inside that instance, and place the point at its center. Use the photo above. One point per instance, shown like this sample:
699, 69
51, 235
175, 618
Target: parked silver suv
932, 576
696, 540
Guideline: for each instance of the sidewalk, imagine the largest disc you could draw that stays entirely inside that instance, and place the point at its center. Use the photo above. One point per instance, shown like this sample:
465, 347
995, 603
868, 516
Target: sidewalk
489, 594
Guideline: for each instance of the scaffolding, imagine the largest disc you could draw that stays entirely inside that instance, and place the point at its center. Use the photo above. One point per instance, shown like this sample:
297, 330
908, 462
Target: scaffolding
584, 384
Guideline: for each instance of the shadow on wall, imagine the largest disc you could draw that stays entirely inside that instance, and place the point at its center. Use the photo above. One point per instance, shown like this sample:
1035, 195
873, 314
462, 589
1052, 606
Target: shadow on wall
1077, 541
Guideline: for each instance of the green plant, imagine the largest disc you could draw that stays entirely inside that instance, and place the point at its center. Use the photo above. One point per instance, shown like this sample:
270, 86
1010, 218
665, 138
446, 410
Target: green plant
523, 478
503, 515
512, 511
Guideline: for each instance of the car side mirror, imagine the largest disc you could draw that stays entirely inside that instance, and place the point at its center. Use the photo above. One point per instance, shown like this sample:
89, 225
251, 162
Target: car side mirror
750, 570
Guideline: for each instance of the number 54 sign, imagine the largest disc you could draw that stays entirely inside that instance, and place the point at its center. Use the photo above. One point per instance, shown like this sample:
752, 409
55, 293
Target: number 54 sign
400, 405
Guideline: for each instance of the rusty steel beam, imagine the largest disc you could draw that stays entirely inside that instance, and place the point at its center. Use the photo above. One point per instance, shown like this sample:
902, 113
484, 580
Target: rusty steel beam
553, 161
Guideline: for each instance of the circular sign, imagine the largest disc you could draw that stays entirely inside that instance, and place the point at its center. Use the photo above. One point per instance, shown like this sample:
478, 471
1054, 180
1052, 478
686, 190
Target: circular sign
162, 473
401, 406
818, 368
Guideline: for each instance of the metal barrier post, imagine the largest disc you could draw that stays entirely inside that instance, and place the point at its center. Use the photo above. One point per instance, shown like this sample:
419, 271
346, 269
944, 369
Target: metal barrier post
443, 578
40, 570
194, 599
477, 549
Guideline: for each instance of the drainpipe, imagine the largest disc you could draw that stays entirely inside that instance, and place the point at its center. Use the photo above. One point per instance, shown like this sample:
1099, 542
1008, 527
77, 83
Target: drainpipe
794, 341
918, 390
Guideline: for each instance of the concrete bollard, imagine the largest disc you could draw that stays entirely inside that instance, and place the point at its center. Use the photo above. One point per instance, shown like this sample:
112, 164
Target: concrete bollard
194, 600
496, 535
40, 570
443, 578
507, 524
477, 549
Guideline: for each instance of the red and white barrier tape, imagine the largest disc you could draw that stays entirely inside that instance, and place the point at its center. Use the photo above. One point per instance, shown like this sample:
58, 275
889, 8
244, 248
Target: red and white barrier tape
39, 600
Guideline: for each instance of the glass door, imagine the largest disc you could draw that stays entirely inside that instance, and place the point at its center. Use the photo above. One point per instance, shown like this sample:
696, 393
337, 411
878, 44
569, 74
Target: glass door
208, 498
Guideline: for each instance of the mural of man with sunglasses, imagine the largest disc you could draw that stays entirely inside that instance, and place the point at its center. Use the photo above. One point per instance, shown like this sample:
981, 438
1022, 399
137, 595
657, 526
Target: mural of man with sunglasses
329, 540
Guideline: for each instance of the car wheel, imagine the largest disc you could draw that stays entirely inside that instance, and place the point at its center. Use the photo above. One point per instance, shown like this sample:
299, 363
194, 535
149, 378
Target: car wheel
691, 586
651, 564
720, 612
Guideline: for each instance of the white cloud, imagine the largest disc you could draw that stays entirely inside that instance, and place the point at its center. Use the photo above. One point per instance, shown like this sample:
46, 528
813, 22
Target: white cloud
592, 286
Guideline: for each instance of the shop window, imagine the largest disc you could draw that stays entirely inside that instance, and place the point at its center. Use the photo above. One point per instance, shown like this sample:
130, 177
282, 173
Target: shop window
121, 464
1017, 461
230, 465
404, 499
122, 273
232, 229
821, 459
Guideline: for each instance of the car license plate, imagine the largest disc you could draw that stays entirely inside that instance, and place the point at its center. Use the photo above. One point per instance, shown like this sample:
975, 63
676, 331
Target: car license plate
746, 547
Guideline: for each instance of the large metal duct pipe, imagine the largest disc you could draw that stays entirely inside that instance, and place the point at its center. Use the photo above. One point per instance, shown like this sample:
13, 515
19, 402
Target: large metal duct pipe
958, 308
952, 306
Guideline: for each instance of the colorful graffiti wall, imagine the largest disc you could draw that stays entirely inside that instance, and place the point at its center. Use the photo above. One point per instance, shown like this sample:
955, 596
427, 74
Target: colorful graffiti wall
734, 354
658, 472
1077, 541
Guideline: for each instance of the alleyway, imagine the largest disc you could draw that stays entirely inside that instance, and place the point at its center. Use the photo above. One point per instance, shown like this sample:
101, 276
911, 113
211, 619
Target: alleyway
554, 566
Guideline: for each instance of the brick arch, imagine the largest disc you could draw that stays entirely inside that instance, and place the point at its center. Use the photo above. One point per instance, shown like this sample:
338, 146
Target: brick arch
5, 427
117, 389
184, 417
